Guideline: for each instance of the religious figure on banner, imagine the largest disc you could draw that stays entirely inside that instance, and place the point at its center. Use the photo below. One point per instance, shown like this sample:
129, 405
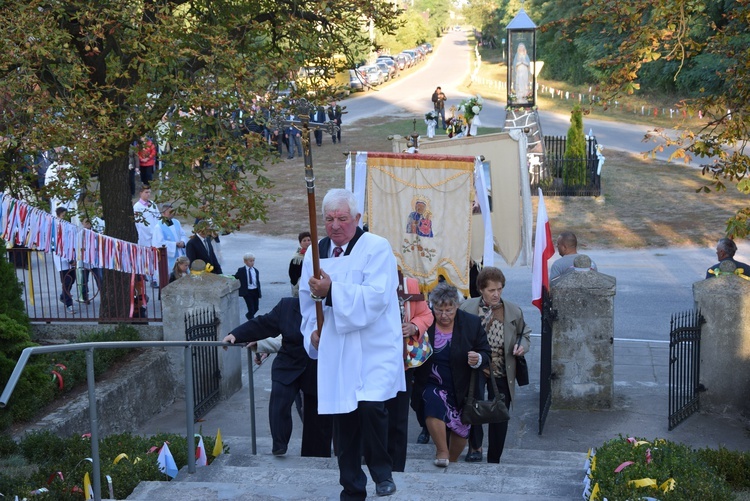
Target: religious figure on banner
522, 69
419, 221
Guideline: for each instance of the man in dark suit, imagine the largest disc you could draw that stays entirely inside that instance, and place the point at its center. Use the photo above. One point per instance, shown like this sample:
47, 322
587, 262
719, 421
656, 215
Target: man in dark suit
319, 117
200, 247
249, 284
293, 370
335, 113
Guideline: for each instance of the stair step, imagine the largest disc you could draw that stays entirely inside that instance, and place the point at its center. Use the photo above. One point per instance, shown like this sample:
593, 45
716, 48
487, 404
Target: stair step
242, 446
312, 483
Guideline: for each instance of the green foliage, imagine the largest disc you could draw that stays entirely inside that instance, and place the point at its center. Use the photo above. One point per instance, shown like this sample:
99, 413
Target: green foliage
11, 303
33, 390
733, 466
574, 168
48, 454
693, 478
95, 79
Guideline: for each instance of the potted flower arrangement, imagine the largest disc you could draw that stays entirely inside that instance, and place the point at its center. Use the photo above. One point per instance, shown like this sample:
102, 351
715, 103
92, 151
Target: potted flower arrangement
470, 109
455, 127
430, 119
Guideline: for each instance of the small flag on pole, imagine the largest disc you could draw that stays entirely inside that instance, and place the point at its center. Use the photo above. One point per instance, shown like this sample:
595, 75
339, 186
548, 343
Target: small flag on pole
543, 250
166, 461
88, 492
218, 446
200, 453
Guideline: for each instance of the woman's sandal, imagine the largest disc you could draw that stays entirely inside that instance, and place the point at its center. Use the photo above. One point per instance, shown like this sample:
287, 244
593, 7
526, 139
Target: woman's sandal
442, 463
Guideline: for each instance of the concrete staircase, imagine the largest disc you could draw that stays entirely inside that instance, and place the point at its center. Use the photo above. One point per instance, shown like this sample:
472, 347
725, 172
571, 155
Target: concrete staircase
522, 475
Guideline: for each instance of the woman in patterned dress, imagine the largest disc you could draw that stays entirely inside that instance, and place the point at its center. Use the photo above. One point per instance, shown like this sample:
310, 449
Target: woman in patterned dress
459, 345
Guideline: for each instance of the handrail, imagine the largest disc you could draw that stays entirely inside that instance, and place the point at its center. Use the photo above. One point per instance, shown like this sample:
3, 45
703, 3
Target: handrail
93, 418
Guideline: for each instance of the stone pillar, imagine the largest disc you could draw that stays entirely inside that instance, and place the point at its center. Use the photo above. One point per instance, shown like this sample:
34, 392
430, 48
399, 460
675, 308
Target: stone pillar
199, 292
724, 301
582, 338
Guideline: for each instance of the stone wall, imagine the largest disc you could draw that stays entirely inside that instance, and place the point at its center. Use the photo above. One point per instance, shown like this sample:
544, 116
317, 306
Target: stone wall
123, 402
582, 340
200, 292
724, 302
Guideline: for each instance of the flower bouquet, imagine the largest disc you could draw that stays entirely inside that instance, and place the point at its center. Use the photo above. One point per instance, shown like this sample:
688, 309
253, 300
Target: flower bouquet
470, 109
430, 119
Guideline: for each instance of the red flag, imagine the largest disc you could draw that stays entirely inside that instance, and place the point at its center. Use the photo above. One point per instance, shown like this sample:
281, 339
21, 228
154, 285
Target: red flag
543, 250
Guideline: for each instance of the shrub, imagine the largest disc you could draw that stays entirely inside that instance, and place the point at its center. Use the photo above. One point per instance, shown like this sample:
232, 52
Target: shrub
733, 466
661, 461
33, 390
49, 454
574, 168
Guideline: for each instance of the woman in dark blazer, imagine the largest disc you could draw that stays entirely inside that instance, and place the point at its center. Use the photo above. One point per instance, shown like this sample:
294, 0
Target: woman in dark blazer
459, 346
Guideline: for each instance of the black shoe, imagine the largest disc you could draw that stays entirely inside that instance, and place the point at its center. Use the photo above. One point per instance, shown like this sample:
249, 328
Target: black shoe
385, 488
474, 457
424, 437
279, 452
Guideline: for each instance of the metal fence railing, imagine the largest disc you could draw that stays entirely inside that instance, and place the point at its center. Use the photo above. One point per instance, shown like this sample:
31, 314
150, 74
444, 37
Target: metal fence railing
93, 417
550, 177
47, 292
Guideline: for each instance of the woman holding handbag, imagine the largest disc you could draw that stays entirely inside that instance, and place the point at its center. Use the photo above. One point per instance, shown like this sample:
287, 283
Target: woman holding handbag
509, 338
459, 345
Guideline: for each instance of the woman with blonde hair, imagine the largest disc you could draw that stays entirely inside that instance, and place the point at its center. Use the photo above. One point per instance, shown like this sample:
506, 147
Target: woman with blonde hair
181, 268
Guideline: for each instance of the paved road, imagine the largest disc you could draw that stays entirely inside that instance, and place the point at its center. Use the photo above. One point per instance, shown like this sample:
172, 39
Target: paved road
448, 66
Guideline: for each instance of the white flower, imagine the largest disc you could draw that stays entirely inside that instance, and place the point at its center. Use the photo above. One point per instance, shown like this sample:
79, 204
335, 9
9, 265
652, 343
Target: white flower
461, 108
476, 109
480, 100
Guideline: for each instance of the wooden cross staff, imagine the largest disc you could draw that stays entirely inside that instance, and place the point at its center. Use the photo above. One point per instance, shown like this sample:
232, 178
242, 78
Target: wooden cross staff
304, 109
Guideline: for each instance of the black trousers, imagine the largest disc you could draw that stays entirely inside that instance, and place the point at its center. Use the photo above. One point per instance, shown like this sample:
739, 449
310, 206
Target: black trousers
252, 302
67, 279
498, 431
316, 429
398, 424
362, 432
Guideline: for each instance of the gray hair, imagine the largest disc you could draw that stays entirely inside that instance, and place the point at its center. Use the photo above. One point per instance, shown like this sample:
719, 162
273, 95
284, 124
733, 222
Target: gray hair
444, 294
337, 197
727, 246
248, 255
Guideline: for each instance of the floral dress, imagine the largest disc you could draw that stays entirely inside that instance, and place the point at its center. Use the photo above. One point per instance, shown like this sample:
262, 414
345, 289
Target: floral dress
439, 395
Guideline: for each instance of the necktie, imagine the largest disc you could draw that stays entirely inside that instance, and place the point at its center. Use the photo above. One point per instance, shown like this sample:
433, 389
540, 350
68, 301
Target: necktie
208, 246
337, 251
249, 277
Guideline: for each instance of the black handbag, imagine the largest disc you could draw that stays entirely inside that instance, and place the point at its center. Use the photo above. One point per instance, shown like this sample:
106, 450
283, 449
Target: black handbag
522, 368
477, 412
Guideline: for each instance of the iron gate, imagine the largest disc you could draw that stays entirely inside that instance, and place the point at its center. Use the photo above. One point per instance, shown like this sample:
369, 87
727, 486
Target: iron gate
684, 365
545, 363
202, 325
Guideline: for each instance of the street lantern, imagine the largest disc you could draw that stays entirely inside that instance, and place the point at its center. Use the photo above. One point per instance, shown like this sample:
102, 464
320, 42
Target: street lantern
521, 35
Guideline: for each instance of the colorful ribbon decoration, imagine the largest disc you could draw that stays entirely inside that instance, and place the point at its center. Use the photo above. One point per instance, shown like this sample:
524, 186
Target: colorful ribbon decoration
22, 224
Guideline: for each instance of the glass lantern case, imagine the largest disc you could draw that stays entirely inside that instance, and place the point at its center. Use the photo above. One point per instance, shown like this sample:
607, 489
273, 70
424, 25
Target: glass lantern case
521, 35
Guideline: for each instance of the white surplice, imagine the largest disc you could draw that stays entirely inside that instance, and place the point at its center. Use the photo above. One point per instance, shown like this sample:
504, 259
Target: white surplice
360, 356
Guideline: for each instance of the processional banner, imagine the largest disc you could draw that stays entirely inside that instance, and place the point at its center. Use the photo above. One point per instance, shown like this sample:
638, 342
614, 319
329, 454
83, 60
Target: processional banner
423, 205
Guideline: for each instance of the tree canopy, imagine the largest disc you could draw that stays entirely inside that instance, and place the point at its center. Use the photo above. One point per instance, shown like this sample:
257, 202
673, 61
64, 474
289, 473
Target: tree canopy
696, 52
92, 76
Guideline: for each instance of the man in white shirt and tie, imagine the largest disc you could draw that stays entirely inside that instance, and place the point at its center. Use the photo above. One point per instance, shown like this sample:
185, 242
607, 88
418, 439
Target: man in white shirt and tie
249, 284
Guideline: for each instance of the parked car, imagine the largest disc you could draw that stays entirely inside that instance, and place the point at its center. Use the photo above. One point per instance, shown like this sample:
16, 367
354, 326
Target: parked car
401, 61
389, 66
410, 59
357, 80
428, 46
414, 55
374, 74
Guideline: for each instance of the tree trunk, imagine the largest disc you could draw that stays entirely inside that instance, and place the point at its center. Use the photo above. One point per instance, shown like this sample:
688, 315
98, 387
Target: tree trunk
117, 209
